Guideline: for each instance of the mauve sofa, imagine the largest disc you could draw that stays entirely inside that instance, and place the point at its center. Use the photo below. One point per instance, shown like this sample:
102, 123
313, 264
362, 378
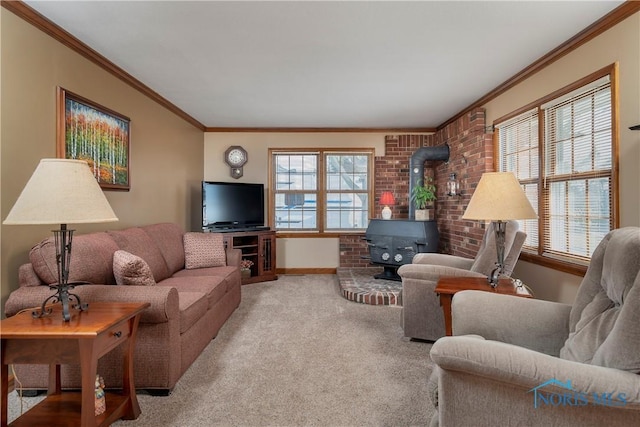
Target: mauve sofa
188, 305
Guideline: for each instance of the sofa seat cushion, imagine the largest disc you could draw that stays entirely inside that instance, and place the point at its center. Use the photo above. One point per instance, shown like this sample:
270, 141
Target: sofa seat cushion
91, 259
193, 306
214, 287
137, 242
212, 271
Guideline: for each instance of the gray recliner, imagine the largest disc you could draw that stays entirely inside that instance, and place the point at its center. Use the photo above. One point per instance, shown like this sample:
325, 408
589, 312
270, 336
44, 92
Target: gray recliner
520, 361
422, 316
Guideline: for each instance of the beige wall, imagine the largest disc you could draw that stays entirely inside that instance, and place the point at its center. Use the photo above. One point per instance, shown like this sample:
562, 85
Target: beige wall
620, 44
166, 151
291, 252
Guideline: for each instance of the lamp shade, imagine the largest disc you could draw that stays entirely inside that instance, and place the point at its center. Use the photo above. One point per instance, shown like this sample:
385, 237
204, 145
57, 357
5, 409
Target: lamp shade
387, 199
499, 197
61, 191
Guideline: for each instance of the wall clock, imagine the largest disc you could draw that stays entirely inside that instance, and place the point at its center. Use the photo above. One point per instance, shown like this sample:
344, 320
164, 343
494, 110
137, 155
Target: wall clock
236, 157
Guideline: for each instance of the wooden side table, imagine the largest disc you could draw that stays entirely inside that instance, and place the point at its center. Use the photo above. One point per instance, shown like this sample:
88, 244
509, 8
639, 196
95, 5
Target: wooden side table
448, 286
84, 339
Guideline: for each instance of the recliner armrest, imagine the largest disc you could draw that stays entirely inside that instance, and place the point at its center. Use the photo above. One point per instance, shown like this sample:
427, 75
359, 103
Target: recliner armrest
535, 324
444, 260
502, 362
433, 272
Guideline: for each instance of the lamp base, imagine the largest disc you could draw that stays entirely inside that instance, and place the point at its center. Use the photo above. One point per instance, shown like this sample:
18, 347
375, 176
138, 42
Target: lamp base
386, 213
63, 296
494, 277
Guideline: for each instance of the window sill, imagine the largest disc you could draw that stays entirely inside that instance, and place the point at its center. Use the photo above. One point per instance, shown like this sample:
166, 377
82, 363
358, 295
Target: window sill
567, 267
323, 235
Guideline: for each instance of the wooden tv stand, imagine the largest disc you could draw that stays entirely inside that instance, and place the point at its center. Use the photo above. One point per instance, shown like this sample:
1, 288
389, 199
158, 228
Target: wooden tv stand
258, 246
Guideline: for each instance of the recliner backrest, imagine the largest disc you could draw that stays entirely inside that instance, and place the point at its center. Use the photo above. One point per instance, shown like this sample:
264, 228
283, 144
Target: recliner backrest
604, 324
485, 260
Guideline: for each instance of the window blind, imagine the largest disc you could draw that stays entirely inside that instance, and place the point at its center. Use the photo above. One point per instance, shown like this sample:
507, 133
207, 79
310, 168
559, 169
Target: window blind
578, 171
519, 154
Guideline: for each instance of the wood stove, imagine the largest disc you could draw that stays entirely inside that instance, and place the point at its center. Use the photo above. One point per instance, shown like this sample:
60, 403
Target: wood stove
394, 242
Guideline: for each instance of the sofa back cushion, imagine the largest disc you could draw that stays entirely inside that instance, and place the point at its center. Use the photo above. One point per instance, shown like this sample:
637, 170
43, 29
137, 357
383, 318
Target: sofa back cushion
130, 269
91, 259
168, 238
137, 242
604, 319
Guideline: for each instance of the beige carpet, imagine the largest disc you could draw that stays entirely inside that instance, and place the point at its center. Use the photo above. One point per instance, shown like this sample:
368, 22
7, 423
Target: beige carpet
297, 353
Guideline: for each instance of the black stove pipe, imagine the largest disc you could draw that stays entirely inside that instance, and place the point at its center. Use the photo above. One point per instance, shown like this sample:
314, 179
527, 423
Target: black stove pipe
416, 167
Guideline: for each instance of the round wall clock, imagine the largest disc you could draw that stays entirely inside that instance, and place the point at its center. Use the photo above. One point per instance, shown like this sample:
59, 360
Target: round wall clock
236, 157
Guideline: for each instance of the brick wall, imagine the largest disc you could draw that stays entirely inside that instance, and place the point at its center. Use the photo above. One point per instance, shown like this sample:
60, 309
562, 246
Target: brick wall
471, 154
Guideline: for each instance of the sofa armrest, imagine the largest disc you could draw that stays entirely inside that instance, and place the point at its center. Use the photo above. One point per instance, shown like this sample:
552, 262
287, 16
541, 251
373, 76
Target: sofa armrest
505, 363
432, 273
444, 260
233, 257
535, 324
163, 299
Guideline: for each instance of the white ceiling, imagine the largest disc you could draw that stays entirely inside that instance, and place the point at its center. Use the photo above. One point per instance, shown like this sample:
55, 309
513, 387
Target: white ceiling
350, 64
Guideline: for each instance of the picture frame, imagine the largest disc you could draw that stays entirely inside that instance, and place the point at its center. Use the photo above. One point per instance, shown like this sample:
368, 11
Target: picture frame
100, 136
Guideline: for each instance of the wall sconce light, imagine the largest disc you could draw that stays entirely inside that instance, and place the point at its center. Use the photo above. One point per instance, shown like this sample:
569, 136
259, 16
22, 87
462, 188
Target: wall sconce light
453, 186
387, 200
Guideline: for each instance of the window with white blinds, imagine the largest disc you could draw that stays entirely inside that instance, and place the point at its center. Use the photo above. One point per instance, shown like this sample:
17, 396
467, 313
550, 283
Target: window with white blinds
519, 153
578, 171
562, 152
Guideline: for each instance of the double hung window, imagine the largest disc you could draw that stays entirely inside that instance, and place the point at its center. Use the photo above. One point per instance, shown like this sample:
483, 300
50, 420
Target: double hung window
321, 190
562, 149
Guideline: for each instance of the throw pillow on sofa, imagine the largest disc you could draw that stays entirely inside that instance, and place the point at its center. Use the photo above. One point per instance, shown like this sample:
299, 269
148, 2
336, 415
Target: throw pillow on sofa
202, 250
130, 269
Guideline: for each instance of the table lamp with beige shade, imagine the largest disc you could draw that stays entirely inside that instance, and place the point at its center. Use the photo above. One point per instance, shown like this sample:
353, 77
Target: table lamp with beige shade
61, 191
499, 198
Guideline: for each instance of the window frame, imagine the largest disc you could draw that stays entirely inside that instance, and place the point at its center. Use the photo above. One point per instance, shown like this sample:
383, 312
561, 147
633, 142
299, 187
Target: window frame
321, 191
538, 255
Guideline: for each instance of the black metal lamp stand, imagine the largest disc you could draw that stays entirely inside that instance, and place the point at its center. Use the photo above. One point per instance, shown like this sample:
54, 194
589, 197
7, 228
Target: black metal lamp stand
500, 229
63, 240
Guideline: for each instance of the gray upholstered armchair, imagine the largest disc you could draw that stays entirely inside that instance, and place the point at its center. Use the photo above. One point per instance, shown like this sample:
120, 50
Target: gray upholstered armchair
519, 361
422, 316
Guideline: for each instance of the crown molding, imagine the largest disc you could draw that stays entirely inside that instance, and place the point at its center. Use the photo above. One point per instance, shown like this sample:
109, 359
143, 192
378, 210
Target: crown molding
393, 131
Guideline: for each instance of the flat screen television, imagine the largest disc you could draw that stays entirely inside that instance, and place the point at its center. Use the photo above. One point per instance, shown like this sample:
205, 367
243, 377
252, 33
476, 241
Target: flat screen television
232, 205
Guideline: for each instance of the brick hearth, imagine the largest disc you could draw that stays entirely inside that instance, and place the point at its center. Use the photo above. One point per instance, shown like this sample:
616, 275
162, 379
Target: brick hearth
359, 285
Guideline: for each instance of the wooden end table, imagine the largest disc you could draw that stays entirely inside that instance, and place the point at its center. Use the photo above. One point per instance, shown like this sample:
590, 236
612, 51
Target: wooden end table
448, 286
83, 340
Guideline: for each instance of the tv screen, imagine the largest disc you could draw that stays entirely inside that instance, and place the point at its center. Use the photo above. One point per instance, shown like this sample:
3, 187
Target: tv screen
231, 205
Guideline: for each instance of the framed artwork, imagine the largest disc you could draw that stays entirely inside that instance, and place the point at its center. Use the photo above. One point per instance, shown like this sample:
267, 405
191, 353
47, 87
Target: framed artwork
88, 131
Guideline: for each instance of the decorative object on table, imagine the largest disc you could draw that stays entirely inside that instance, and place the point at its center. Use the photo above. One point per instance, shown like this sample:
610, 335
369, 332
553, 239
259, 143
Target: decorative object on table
422, 195
236, 157
245, 268
61, 191
88, 131
387, 199
101, 404
453, 186
499, 198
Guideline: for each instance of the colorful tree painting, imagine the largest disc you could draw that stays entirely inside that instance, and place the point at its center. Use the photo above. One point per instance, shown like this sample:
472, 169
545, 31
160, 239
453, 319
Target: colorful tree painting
98, 136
